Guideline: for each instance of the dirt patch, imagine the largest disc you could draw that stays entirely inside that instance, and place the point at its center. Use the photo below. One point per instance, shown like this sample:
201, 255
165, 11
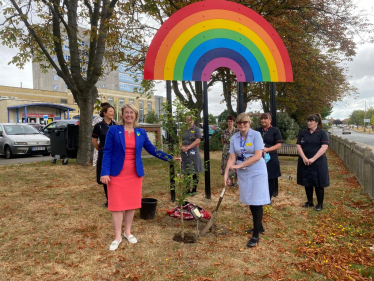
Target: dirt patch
188, 238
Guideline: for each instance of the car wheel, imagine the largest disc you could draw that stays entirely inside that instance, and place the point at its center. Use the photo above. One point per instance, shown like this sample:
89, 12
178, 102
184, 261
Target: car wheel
8, 152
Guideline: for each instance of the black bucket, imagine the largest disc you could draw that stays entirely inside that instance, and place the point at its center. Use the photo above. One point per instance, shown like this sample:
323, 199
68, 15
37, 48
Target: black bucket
148, 209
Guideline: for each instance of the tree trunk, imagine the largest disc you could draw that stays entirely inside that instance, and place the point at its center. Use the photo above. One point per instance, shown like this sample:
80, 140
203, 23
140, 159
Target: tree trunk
86, 105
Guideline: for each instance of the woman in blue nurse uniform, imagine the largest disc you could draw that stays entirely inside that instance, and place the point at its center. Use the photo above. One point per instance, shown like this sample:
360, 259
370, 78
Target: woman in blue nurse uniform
246, 149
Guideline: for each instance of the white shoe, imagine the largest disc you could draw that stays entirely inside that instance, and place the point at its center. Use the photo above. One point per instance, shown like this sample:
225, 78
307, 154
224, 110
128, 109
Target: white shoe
114, 245
131, 238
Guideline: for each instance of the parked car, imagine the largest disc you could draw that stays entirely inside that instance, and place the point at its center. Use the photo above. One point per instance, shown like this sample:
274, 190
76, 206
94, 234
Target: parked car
213, 129
58, 124
37, 126
346, 130
18, 139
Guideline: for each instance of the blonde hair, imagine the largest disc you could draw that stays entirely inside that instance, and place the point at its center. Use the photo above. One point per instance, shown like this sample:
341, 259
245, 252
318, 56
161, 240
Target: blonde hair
131, 106
243, 117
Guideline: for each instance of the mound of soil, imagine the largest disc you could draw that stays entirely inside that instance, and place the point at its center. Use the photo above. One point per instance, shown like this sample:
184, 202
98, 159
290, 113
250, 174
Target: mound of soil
188, 237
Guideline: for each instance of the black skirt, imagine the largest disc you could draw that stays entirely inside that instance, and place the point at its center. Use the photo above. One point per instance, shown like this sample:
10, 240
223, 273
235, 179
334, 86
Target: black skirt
316, 175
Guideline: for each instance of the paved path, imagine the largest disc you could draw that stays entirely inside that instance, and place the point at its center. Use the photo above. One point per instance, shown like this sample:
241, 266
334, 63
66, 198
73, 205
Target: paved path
24, 159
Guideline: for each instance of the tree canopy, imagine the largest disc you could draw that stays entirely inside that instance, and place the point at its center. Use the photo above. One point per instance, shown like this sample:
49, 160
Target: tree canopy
40, 30
319, 36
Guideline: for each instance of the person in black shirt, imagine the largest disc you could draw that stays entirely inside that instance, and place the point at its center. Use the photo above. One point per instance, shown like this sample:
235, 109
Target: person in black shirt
312, 170
272, 142
99, 133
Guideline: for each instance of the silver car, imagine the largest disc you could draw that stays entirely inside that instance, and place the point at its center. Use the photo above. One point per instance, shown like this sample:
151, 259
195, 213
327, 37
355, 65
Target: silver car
17, 139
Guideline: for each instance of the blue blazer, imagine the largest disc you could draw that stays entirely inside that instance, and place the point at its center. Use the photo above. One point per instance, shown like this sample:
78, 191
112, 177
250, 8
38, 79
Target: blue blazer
115, 149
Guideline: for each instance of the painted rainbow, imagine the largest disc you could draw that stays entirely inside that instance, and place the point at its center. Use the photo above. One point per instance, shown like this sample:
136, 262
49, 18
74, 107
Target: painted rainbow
206, 35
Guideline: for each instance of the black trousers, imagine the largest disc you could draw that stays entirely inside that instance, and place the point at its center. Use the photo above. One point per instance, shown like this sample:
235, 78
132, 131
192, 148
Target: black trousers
195, 182
98, 172
320, 192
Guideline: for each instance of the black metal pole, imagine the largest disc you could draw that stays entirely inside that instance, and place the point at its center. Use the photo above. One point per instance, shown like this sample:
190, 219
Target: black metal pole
273, 103
240, 98
206, 144
170, 141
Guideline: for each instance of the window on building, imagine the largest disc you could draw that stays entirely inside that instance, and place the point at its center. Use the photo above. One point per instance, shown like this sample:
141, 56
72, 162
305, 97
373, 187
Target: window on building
55, 87
99, 97
132, 101
63, 101
149, 106
121, 102
141, 111
111, 100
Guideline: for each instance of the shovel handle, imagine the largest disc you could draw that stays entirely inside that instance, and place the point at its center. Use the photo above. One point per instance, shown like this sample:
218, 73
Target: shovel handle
220, 199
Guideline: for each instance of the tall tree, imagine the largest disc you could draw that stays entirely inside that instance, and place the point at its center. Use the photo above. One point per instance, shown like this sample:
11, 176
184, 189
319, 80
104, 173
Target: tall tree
40, 29
357, 118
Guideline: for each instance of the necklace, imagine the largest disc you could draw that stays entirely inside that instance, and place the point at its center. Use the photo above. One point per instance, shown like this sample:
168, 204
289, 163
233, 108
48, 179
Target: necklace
129, 131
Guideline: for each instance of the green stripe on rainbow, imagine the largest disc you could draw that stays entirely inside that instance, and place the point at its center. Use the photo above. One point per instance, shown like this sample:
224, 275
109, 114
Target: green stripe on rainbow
189, 30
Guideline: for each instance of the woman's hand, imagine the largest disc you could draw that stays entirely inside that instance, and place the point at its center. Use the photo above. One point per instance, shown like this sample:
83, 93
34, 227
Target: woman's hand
177, 158
236, 167
311, 160
306, 161
105, 179
226, 180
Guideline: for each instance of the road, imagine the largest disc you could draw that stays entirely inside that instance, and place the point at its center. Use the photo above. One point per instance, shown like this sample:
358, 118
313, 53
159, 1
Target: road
365, 139
23, 159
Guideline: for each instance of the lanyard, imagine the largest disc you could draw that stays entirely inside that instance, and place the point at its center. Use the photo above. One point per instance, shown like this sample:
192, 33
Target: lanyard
242, 143
264, 132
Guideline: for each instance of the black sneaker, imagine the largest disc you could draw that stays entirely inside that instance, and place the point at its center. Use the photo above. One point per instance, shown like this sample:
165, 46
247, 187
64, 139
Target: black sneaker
308, 205
106, 204
318, 208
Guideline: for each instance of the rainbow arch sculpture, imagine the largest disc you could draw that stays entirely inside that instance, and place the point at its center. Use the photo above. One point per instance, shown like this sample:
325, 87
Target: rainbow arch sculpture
206, 35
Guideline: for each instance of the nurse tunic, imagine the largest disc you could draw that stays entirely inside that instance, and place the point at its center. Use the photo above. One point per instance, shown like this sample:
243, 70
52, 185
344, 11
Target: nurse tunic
252, 180
191, 159
271, 137
316, 174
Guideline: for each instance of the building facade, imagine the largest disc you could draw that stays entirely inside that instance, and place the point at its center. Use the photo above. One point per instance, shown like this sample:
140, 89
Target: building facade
16, 103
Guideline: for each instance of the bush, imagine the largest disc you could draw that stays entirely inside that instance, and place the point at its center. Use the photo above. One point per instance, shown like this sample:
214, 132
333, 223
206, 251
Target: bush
287, 126
215, 143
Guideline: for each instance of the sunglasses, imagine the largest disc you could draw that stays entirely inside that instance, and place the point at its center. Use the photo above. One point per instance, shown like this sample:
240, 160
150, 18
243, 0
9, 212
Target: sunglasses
242, 123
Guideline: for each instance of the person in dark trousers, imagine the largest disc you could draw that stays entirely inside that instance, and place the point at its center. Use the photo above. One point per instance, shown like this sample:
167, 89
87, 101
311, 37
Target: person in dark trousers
312, 169
246, 148
191, 159
272, 142
99, 133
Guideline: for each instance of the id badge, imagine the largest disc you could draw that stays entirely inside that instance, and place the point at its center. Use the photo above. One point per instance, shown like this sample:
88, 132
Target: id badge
192, 152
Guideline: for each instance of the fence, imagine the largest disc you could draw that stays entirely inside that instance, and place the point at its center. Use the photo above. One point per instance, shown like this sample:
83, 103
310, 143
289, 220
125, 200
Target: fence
359, 159
288, 150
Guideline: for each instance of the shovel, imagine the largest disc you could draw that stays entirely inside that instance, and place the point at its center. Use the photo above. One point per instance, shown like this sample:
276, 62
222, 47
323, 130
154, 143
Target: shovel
214, 215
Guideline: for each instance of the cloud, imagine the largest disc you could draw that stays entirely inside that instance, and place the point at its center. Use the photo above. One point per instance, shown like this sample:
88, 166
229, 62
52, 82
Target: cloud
10, 75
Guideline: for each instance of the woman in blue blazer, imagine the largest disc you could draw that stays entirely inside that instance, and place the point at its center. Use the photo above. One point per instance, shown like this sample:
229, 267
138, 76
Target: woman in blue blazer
123, 171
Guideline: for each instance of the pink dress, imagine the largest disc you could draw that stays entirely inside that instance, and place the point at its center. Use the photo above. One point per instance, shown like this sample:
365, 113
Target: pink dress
125, 190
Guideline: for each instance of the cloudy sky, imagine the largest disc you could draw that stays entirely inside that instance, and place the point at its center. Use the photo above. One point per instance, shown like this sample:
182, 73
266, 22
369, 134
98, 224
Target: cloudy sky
361, 73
